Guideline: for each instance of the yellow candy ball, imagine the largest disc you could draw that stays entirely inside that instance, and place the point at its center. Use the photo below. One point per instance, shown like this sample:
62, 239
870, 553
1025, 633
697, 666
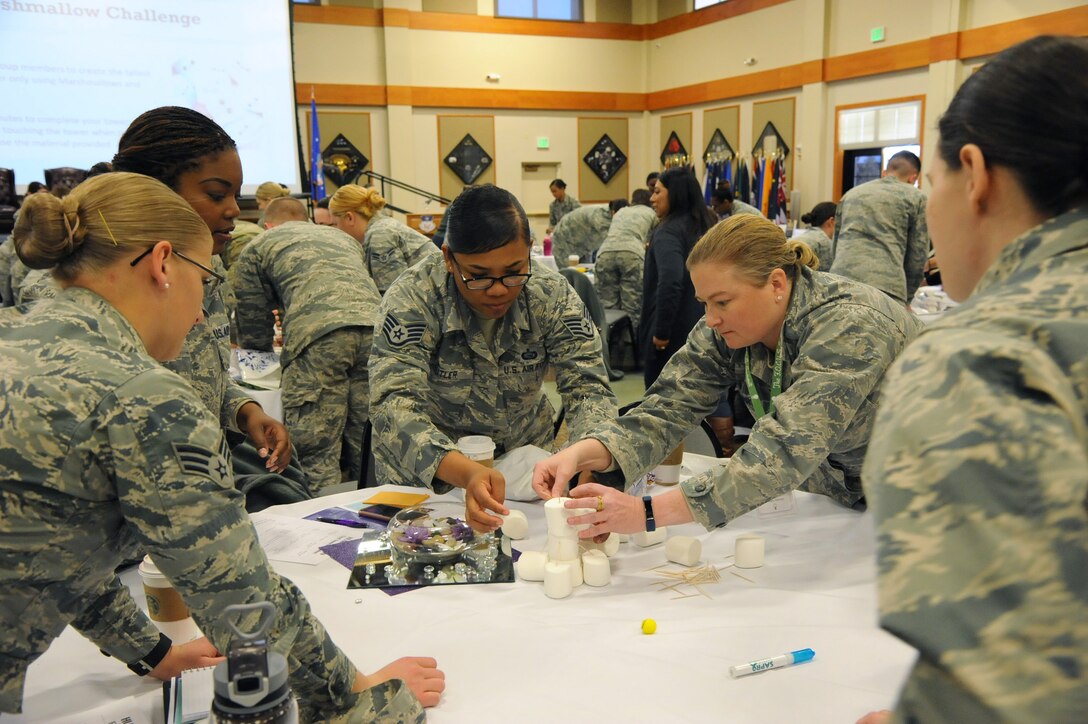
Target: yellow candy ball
649, 626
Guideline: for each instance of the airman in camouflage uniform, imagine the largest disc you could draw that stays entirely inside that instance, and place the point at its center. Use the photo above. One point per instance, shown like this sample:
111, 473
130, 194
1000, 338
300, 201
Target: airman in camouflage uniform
840, 337
977, 477
820, 243
391, 247
105, 455
435, 377
620, 260
314, 275
558, 209
16, 274
580, 232
881, 237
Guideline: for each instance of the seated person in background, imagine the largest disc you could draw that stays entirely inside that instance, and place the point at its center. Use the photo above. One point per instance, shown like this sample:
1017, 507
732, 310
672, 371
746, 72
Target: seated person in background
977, 474
243, 233
562, 204
7, 258
622, 255
322, 215
314, 275
464, 343
82, 372
389, 246
822, 222
808, 352
724, 204
880, 231
580, 233
37, 284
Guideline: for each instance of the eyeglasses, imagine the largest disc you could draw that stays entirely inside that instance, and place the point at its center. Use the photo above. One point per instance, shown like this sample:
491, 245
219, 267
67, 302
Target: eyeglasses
478, 284
211, 283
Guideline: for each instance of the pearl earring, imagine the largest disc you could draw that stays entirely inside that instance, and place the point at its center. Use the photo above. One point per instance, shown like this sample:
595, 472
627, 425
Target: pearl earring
166, 285
778, 298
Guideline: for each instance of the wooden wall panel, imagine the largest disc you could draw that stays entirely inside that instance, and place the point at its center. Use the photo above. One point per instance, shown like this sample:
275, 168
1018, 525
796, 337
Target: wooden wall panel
590, 189
451, 129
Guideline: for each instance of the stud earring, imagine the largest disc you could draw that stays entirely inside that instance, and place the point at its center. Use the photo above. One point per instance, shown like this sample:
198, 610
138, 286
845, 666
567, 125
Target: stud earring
778, 298
166, 285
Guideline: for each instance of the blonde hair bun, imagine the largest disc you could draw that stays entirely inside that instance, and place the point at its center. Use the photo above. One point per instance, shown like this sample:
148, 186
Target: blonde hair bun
360, 199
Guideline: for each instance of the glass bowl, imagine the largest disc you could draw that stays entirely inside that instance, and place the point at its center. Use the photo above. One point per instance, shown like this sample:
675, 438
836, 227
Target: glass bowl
430, 533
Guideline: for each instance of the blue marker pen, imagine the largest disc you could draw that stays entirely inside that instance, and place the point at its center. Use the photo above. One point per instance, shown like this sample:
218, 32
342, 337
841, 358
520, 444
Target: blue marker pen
777, 662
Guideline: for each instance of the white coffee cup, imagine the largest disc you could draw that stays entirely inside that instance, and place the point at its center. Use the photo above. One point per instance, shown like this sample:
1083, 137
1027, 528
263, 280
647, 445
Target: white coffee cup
165, 606
479, 448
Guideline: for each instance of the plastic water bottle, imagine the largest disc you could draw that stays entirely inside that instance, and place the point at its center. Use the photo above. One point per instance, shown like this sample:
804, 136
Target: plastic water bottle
251, 685
548, 245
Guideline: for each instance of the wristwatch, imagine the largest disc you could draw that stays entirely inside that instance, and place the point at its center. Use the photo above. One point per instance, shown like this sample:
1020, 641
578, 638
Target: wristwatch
647, 502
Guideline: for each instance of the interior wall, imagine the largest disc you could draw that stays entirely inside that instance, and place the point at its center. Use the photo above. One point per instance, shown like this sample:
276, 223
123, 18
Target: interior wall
339, 54
851, 21
980, 13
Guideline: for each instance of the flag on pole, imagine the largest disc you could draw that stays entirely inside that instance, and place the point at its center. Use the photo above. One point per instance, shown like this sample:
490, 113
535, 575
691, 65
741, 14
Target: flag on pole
317, 174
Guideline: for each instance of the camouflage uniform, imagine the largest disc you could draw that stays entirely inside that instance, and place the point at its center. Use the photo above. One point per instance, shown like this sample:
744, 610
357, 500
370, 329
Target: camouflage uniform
820, 243
37, 284
244, 232
620, 260
390, 248
16, 274
977, 475
739, 207
314, 275
580, 232
436, 378
104, 455
840, 337
558, 209
7, 256
881, 237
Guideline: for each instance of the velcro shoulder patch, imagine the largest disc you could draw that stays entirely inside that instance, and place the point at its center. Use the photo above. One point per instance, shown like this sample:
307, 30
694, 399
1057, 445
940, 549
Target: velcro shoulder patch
399, 335
200, 461
581, 327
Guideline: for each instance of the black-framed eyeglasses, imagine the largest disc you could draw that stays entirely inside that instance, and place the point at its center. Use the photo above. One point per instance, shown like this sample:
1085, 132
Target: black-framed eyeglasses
211, 283
478, 284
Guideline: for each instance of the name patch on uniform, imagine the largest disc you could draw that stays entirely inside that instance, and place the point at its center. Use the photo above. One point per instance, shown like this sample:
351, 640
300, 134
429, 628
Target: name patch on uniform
197, 460
581, 327
399, 335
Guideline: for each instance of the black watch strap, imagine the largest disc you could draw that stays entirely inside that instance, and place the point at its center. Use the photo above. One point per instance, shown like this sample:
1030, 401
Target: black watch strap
143, 666
651, 525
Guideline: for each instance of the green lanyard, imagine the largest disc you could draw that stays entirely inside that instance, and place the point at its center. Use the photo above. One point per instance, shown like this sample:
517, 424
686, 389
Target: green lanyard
776, 380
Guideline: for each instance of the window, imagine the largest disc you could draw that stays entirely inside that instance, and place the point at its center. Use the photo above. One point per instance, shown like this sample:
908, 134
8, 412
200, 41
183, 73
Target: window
700, 4
539, 9
880, 125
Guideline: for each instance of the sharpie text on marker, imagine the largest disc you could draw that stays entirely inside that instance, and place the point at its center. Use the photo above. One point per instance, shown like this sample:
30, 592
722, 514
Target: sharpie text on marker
776, 662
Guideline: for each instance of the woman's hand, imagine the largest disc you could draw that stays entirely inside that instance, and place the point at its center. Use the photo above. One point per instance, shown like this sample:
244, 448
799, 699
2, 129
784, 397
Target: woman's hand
268, 435
420, 673
615, 512
660, 344
181, 657
551, 475
486, 490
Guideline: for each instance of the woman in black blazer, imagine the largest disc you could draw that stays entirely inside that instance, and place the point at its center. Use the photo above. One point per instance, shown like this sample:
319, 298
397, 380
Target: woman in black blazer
669, 307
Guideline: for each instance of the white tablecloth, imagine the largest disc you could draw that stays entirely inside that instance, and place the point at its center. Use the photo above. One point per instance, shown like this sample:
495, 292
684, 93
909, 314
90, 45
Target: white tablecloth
511, 654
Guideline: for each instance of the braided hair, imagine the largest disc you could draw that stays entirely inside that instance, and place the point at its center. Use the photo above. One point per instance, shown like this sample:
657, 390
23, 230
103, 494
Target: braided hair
166, 142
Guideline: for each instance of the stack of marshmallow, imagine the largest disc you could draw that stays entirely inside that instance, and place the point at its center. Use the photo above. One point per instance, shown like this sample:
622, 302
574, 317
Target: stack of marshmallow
567, 562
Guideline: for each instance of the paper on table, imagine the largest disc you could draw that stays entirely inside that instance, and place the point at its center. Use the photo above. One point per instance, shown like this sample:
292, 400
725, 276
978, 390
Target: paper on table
132, 710
293, 540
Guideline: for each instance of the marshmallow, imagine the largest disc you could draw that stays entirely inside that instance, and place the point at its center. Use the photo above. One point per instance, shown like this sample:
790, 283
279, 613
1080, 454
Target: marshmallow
611, 545
557, 580
595, 568
645, 540
562, 549
575, 572
531, 565
749, 551
684, 550
515, 525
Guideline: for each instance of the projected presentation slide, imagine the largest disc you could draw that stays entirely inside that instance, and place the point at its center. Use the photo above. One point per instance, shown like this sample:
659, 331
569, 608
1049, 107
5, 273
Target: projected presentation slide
73, 75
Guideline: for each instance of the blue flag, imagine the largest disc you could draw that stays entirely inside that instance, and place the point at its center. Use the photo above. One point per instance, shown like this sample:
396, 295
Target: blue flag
317, 174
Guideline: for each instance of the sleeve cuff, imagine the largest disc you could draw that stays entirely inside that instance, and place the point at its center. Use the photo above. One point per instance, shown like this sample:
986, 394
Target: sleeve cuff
145, 664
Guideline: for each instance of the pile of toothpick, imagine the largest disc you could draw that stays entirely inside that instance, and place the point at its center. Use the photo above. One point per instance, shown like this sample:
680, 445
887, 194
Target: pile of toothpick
691, 577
